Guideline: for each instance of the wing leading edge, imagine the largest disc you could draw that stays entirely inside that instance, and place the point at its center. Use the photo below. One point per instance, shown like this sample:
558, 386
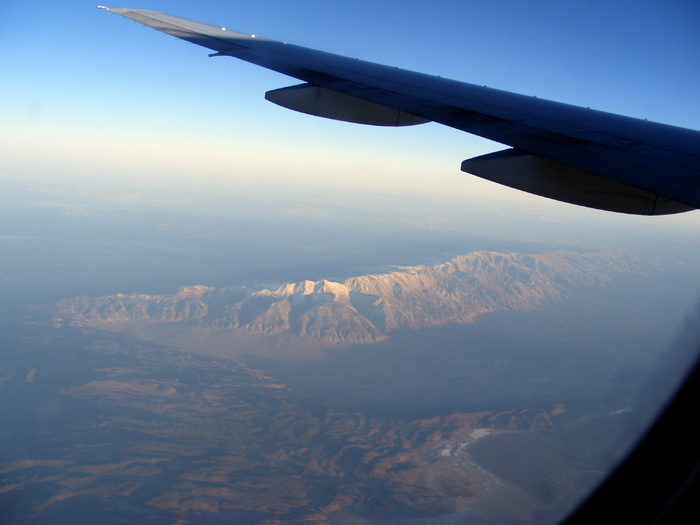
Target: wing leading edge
573, 154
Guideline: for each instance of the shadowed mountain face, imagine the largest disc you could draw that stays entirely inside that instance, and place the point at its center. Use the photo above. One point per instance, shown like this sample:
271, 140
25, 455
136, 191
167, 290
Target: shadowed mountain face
365, 309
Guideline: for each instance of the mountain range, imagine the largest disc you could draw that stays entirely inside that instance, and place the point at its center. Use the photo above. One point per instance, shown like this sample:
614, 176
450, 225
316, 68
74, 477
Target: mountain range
367, 308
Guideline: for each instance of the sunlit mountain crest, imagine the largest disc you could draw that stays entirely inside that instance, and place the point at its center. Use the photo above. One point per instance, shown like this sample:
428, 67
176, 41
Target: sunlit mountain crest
366, 309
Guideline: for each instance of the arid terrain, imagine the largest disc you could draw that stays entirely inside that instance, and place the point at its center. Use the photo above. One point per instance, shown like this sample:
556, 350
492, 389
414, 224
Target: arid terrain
365, 309
176, 405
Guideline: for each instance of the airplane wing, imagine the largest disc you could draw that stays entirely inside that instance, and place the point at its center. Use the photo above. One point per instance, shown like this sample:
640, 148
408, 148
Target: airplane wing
569, 153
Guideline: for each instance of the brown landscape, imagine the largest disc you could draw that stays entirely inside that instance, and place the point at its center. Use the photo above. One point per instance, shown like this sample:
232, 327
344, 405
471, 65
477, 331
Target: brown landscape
230, 443
161, 418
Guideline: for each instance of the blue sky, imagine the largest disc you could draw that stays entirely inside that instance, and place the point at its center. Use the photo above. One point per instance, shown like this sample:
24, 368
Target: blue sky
91, 98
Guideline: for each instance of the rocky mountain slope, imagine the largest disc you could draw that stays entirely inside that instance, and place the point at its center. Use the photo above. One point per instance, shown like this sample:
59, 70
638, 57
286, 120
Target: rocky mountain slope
365, 309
